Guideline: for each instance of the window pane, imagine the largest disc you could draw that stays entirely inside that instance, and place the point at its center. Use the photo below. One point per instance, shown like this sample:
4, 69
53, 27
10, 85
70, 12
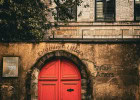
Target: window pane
137, 9
105, 10
99, 10
137, 0
110, 9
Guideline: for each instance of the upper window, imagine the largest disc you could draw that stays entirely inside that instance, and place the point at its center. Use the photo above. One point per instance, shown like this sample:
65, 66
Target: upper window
67, 10
105, 10
137, 10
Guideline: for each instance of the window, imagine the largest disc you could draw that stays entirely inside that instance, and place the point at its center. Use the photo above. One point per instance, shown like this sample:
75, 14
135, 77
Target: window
137, 10
105, 10
67, 10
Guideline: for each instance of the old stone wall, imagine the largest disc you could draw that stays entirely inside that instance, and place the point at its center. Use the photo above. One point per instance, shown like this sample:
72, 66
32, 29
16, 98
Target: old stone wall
86, 27
105, 31
124, 10
114, 68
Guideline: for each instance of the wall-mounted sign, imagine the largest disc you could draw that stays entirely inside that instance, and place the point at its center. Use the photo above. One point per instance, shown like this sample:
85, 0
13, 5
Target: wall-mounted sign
10, 66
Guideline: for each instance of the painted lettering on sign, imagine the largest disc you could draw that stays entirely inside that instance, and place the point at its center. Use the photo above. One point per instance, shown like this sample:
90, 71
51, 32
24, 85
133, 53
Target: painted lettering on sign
10, 66
61, 47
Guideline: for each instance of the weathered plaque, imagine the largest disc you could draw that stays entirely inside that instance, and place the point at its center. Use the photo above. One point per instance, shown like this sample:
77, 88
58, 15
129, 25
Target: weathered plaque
10, 66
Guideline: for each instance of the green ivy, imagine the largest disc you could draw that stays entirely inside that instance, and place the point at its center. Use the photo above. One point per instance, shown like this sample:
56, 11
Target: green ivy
25, 20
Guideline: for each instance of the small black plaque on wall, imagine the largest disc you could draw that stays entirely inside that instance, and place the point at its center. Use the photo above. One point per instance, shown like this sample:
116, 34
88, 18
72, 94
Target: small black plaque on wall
10, 66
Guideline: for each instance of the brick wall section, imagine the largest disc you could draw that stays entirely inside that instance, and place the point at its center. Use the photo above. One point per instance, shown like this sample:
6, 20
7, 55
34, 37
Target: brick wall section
124, 10
85, 12
97, 32
123, 27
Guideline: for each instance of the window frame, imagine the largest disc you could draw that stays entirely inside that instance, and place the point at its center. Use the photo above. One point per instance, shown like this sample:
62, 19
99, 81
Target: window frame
96, 19
135, 12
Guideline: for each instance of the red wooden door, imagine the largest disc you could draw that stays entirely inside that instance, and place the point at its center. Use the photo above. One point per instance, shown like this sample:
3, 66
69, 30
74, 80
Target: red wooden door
59, 80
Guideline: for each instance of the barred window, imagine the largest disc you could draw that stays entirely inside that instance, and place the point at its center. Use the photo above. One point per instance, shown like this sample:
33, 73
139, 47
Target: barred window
105, 10
67, 10
137, 10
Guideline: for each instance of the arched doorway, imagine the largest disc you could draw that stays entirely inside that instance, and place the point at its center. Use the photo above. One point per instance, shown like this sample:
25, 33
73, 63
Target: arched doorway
33, 74
59, 80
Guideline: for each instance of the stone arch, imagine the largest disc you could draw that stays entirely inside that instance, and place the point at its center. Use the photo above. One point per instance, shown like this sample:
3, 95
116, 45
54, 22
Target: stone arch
32, 75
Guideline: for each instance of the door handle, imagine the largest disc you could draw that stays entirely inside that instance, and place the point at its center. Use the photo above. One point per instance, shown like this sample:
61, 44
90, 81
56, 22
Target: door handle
70, 90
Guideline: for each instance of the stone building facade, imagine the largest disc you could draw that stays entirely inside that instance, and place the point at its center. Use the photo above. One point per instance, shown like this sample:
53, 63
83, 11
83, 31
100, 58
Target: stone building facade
106, 53
86, 26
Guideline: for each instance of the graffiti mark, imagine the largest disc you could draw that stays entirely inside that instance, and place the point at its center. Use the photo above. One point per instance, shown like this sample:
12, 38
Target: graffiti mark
103, 67
105, 70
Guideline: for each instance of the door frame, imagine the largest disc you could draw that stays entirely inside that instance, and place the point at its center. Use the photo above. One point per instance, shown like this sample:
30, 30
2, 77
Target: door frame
32, 75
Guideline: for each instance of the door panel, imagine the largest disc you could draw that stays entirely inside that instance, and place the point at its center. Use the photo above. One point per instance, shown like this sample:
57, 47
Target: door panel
69, 71
70, 90
59, 80
50, 71
48, 90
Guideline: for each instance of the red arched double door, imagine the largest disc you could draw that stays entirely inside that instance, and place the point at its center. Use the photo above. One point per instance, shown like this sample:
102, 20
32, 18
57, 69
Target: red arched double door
59, 80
